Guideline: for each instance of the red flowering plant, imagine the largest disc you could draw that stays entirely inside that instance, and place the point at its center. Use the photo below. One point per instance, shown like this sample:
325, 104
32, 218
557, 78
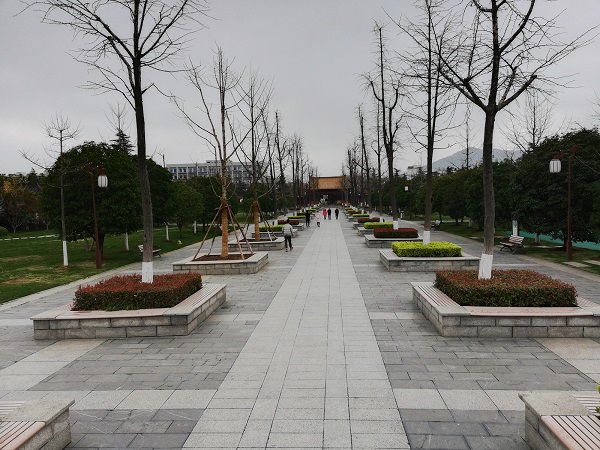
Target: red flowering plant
292, 222
367, 219
400, 233
524, 288
128, 292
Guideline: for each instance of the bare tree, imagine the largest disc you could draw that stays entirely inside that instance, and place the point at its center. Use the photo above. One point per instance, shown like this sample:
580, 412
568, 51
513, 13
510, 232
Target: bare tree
256, 95
218, 128
491, 64
153, 35
59, 129
432, 102
526, 130
385, 86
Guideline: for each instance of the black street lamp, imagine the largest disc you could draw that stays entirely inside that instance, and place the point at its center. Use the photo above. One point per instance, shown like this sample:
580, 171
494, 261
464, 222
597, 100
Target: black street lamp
102, 182
555, 167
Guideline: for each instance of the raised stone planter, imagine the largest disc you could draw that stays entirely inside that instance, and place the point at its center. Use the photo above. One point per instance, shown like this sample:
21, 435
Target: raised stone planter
561, 421
265, 234
394, 263
180, 320
374, 242
451, 319
249, 265
39, 424
276, 244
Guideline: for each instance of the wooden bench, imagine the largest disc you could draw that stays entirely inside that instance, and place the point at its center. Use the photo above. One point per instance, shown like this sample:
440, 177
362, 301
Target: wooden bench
436, 224
514, 243
35, 424
155, 252
575, 432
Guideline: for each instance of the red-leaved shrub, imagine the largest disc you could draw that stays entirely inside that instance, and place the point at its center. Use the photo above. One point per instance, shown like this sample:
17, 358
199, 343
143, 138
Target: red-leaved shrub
128, 292
524, 288
292, 222
367, 219
400, 233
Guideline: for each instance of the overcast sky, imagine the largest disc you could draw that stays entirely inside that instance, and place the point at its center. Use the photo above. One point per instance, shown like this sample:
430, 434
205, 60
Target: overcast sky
313, 50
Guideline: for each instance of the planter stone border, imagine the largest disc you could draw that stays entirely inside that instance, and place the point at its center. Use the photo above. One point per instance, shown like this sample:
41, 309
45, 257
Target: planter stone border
453, 320
374, 242
561, 421
265, 234
180, 320
394, 263
241, 266
275, 244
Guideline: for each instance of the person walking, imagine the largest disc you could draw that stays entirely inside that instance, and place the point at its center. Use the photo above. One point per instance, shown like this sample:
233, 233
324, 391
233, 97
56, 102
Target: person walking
337, 213
329, 213
307, 214
287, 234
318, 218
324, 214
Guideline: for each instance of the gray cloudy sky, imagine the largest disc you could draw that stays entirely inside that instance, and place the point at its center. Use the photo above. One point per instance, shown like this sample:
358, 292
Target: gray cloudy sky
313, 50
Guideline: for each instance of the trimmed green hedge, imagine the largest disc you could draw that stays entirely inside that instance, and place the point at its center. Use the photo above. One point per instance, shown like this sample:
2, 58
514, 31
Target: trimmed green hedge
128, 292
371, 225
400, 233
431, 250
3, 231
524, 288
357, 215
273, 228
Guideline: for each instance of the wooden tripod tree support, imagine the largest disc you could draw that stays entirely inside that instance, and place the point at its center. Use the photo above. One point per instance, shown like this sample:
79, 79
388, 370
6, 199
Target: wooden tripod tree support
226, 214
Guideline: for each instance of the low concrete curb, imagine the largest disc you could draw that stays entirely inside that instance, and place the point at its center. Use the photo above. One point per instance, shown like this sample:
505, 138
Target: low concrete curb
249, 265
394, 263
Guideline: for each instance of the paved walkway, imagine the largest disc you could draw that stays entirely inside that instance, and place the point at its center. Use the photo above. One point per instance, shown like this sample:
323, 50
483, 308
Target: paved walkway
321, 349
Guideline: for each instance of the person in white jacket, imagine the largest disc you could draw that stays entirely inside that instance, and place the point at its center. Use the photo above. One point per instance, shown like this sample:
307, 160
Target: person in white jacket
287, 234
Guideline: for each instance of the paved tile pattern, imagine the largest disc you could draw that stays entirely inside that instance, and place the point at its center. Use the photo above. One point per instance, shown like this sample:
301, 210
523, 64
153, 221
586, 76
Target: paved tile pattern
321, 349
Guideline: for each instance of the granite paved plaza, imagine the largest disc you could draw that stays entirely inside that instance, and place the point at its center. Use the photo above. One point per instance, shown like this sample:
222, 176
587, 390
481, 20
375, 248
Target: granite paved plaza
323, 348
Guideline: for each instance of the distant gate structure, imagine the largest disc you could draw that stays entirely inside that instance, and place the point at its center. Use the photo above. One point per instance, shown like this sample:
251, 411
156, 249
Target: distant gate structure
333, 189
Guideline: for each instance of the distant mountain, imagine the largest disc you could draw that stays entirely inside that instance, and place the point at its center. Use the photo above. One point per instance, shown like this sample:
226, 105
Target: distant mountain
459, 159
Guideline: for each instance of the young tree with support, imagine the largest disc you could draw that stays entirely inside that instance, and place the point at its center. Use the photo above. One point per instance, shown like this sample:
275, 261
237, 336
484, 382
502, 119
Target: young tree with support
124, 40
503, 54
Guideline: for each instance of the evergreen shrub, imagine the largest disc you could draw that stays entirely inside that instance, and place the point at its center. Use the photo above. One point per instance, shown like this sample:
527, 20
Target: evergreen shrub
128, 292
431, 250
400, 233
523, 288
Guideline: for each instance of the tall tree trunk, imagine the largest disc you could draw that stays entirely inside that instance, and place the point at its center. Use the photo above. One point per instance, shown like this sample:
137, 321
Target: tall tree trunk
487, 257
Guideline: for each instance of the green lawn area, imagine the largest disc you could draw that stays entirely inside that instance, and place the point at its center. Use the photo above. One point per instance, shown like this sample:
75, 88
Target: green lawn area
32, 265
553, 253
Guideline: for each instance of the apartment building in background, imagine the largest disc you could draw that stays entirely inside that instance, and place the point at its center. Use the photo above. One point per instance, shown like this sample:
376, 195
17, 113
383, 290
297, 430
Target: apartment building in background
235, 171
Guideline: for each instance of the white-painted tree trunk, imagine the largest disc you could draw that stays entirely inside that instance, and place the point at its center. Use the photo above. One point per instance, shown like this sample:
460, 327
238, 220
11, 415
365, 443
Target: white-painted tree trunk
126, 242
65, 254
537, 238
195, 225
147, 272
167, 230
395, 222
426, 237
485, 266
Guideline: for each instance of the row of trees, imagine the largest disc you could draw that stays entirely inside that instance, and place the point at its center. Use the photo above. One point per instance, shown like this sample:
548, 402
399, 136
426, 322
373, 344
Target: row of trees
472, 53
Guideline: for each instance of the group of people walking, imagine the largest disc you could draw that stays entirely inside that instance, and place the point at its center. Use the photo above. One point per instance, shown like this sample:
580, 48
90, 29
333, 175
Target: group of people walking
326, 213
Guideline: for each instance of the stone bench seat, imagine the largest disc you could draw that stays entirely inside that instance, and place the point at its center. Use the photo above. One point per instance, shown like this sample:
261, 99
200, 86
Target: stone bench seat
560, 421
31, 425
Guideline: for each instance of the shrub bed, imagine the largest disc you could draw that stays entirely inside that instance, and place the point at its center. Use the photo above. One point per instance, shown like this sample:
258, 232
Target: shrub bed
431, 250
524, 288
367, 219
357, 215
292, 222
128, 292
400, 233
3, 232
272, 228
373, 225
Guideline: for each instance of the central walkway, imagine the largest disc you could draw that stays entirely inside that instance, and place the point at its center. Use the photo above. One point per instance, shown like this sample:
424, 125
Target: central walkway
311, 375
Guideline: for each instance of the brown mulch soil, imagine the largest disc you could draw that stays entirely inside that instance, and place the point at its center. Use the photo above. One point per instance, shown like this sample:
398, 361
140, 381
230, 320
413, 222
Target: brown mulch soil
234, 257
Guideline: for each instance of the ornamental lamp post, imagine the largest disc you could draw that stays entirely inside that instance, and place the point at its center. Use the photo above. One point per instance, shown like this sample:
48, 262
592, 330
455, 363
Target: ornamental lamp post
555, 167
102, 183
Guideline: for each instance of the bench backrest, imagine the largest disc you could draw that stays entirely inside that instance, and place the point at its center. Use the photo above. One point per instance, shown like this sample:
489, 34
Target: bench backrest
516, 239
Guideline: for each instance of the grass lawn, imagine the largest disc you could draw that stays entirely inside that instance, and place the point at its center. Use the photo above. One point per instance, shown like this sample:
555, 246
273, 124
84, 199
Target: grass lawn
32, 265
548, 251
